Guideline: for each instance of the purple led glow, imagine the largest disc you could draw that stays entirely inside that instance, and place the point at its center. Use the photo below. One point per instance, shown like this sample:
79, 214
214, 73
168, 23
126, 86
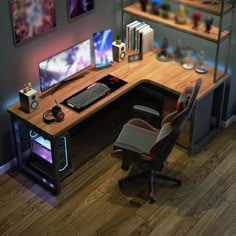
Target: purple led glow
51, 185
41, 151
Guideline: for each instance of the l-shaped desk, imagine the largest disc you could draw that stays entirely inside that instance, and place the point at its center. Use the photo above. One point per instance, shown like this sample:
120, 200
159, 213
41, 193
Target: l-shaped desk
167, 77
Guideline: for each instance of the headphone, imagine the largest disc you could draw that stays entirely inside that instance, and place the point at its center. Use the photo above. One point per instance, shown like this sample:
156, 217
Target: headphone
56, 113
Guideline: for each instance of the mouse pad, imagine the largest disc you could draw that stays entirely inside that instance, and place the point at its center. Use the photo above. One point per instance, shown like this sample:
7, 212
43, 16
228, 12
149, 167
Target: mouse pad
111, 81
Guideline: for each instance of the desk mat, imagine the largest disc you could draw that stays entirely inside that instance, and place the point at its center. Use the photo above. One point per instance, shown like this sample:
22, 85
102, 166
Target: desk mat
111, 81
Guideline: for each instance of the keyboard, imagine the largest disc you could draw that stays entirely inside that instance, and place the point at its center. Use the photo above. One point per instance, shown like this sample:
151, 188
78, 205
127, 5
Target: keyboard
88, 96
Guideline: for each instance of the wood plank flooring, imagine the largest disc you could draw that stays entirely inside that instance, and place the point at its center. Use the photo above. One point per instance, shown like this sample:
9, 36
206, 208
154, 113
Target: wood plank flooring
92, 203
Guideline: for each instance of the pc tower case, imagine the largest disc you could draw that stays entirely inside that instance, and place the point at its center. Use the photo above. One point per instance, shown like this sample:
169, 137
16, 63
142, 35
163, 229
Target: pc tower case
42, 155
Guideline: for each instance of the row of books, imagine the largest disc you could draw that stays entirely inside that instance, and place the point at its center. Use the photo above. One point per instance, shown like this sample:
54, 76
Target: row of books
139, 37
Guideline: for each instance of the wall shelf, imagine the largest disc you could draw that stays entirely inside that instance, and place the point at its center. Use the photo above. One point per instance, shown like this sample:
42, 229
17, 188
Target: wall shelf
217, 35
210, 8
135, 9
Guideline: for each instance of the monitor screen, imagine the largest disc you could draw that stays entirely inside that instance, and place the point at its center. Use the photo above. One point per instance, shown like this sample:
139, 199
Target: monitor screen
63, 65
102, 42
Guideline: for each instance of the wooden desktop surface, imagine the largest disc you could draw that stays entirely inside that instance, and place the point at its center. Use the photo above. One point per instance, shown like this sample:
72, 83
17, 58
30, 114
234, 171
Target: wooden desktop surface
166, 75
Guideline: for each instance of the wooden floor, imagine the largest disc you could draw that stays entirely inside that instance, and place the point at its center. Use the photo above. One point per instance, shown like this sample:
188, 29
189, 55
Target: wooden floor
93, 204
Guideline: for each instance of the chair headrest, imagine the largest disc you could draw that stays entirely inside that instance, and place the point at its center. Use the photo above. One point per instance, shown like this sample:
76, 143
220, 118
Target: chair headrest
184, 99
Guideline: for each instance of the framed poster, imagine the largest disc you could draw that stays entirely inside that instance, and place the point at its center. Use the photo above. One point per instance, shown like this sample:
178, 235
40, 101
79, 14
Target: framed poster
31, 18
79, 7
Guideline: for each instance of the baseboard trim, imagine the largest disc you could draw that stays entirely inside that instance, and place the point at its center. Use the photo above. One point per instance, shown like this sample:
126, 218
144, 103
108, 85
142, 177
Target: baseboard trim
228, 122
7, 166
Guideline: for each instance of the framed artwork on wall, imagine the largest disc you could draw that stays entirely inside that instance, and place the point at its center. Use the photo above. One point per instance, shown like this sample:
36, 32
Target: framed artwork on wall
79, 7
31, 18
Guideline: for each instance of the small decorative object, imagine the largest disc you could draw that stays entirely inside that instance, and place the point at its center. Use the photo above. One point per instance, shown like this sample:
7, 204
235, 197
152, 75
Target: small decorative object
164, 55
208, 24
31, 18
188, 65
27, 87
79, 7
196, 19
200, 68
178, 55
144, 4
181, 17
118, 40
165, 9
155, 7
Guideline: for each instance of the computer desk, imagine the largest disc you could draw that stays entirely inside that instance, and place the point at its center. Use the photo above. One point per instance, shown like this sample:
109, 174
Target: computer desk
203, 124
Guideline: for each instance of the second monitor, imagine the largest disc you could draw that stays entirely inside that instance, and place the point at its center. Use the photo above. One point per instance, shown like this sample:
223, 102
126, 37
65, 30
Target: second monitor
102, 42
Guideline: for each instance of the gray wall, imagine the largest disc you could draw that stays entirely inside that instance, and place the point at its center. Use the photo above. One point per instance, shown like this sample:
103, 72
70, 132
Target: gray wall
19, 64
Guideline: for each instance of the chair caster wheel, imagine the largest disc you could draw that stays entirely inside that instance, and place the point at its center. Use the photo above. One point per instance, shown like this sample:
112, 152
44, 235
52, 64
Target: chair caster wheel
152, 200
121, 181
179, 182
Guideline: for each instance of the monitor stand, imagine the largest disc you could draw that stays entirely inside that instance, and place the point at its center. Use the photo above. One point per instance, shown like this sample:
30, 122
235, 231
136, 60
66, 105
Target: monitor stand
64, 82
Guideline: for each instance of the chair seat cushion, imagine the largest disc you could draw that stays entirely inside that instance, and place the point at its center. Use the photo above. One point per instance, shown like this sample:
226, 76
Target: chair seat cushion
139, 138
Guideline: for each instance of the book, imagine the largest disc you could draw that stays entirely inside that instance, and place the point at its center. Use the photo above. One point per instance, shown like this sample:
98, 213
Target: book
128, 31
137, 35
131, 35
146, 40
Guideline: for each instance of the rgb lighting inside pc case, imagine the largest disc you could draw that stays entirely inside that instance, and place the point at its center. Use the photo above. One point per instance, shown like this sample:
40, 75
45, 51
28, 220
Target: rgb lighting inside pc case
41, 147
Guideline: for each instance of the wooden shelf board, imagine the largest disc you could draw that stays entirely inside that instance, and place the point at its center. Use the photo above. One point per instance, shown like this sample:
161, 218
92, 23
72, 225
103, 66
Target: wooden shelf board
210, 8
135, 9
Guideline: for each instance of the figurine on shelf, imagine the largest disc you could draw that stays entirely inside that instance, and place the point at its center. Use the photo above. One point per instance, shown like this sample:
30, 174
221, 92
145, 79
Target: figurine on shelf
144, 4
208, 24
165, 9
188, 65
178, 55
155, 7
196, 19
164, 55
200, 68
181, 17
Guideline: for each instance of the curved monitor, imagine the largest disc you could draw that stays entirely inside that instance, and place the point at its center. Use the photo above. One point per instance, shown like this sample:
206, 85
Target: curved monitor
63, 65
102, 42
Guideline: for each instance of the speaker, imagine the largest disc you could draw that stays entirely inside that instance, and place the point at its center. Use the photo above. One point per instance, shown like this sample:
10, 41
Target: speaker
29, 100
119, 51
53, 115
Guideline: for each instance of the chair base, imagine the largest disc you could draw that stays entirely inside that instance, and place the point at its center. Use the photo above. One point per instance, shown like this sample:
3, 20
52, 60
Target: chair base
152, 175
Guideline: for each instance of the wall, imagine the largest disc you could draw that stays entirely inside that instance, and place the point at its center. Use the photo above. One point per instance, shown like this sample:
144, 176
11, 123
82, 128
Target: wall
19, 64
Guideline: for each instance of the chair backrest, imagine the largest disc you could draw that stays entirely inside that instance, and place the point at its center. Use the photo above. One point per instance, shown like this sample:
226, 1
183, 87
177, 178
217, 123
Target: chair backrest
173, 123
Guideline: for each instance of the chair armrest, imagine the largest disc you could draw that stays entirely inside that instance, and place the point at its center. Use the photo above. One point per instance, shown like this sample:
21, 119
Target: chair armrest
145, 109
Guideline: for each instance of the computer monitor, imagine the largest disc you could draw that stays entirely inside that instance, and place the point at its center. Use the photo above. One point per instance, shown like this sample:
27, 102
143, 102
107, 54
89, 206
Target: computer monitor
102, 42
63, 65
